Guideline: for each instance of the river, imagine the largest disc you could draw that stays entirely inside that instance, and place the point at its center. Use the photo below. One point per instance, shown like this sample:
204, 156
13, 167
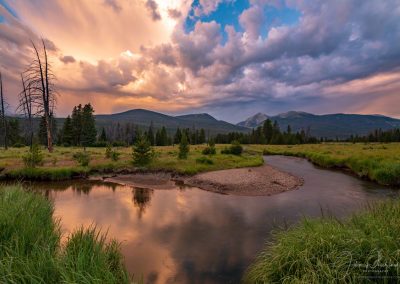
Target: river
187, 235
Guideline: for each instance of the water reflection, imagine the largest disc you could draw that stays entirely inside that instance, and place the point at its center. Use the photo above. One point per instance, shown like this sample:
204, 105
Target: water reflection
193, 236
141, 199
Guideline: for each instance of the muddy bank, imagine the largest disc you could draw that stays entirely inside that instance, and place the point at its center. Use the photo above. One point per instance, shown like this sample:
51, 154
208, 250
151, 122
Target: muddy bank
264, 180
153, 180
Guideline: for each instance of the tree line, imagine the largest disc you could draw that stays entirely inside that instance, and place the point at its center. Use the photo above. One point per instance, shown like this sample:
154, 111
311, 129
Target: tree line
268, 133
379, 135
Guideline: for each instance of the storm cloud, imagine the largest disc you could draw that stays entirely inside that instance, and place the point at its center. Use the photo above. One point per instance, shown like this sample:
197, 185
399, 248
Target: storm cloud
319, 62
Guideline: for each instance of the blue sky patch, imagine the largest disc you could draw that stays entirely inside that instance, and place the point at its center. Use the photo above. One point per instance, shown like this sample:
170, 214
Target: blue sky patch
228, 13
8, 8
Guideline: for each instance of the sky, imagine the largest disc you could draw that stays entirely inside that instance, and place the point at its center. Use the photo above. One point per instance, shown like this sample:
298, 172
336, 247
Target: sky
229, 58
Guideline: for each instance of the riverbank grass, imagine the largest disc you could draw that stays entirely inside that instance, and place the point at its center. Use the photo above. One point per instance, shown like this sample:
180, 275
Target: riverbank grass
375, 161
31, 249
61, 164
363, 249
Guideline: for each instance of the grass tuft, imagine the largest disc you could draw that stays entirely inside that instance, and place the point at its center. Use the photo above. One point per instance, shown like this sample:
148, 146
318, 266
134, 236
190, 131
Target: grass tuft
30, 250
362, 249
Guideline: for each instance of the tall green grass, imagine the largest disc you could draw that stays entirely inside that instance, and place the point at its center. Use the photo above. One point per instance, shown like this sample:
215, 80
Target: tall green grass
31, 252
363, 249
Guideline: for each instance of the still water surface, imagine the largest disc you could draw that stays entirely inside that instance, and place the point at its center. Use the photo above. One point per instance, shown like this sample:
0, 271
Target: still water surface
187, 235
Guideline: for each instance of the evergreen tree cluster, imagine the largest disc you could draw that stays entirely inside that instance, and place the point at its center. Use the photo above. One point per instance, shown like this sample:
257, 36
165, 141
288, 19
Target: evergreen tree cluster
79, 129
378, 135
268, 133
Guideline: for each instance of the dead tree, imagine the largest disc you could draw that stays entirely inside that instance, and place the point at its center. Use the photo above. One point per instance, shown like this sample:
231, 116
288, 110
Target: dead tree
26, 106
39, 80
3, 114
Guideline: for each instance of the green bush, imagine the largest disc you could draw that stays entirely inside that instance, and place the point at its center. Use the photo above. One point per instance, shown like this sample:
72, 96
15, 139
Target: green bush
82, 158
210, 149
362, 249
108, 151
115, 156
111, 154
34, 157
234, 149
184, 147
142, 152
204, 160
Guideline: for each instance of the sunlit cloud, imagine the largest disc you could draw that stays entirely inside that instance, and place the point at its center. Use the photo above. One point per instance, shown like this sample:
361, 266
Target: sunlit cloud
122, 54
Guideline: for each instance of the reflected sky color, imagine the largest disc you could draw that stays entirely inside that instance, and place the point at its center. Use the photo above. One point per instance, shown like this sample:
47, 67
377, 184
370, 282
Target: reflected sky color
186, 235
230, 58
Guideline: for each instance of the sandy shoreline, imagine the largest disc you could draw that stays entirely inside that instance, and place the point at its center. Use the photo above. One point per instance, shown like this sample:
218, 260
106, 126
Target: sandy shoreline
255, 181
264, 180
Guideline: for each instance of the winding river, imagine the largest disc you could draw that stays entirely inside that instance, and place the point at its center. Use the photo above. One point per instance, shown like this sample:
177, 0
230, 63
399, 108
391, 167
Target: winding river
187, 235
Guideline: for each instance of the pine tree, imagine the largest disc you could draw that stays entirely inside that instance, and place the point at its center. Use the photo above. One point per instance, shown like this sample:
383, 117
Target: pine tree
184, 147
150, 135
67, 132
178, 136
158, 138
76, 120
142, 152
202, 136
268, 130
163, 136
103, 136
89, 132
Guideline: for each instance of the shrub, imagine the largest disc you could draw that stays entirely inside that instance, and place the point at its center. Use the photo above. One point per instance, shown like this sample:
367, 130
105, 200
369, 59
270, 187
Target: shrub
234, 149
115, 156
142, 152
184, 147
34, 157
108, 151
210, 149
83, 158
204, 160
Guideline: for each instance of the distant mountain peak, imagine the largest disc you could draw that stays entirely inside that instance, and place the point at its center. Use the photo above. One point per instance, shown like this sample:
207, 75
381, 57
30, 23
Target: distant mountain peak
202, 116
254, 120
293, 113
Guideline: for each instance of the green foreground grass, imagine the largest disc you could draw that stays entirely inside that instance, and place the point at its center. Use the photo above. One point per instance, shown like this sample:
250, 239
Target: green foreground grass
363, 249
31, 249
60, 165
374, 161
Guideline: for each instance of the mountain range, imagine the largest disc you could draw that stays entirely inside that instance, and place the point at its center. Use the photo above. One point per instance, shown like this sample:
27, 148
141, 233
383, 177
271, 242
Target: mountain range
329, 125
143, 118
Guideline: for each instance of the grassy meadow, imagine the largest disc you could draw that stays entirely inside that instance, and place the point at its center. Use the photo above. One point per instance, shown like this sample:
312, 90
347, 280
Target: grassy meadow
31, 250
375, 161
363, 249
61, 165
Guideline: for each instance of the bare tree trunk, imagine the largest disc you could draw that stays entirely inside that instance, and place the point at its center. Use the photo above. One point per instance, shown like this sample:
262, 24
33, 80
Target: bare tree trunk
44, 80
26, 104
3, 115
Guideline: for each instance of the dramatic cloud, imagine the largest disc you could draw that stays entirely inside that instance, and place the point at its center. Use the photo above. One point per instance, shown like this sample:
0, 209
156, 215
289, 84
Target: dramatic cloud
212, 55
152, 6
